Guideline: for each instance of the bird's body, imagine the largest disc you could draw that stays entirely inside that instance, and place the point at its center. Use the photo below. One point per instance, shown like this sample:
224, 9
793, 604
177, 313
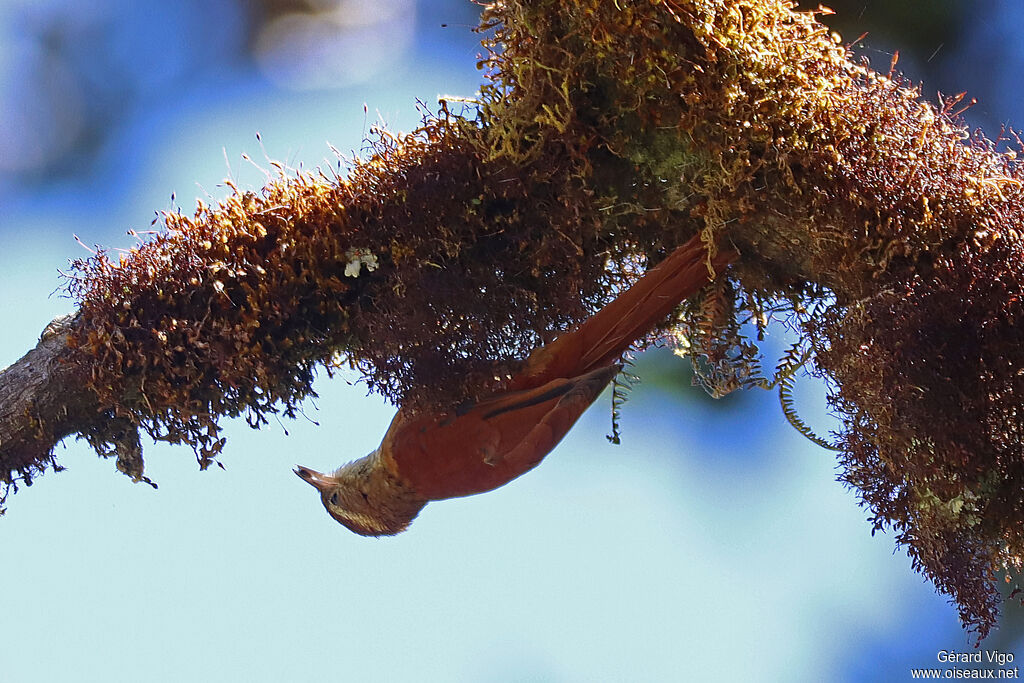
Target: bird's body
479, 447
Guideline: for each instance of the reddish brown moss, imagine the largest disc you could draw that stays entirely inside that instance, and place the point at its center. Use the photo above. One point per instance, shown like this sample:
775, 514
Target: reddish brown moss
232, 310
929, 377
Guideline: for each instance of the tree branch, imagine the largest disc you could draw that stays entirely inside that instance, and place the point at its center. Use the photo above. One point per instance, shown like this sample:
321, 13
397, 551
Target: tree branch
41, 402
607, 133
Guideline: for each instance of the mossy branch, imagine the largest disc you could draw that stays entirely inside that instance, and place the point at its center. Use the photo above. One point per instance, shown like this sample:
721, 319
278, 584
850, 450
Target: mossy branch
606, 133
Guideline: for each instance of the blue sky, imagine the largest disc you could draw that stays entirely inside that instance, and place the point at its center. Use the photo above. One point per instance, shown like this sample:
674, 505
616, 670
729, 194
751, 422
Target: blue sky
713, 545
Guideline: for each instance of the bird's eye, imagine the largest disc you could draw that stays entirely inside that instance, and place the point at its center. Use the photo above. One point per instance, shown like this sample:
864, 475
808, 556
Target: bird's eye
334, 498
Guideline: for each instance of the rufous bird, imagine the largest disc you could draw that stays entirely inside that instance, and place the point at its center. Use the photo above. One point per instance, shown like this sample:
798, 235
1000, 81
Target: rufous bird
478, 447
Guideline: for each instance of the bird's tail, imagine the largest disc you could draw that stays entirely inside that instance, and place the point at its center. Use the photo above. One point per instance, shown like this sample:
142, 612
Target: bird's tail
607, 334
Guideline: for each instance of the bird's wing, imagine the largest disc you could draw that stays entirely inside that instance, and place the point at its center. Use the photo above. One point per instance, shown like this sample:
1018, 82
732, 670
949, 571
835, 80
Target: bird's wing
556, 422
495, 440
493, 406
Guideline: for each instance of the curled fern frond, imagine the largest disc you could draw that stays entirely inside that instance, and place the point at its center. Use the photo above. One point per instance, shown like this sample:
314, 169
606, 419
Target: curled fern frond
708, 332
789, 410
621, 386
794, 358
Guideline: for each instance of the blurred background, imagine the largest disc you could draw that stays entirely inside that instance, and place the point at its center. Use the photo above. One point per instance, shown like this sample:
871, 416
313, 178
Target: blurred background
713, 545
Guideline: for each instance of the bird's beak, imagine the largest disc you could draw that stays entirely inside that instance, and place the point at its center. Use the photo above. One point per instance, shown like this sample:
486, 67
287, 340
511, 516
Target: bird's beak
321, 482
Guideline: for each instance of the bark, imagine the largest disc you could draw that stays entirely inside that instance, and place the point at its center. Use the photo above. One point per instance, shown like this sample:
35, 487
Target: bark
42, 400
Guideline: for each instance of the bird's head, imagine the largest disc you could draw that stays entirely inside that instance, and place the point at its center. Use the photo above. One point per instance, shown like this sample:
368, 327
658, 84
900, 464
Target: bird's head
363, 498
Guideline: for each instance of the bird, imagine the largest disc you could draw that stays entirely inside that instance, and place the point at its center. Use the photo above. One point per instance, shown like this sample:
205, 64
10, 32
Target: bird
477, 447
